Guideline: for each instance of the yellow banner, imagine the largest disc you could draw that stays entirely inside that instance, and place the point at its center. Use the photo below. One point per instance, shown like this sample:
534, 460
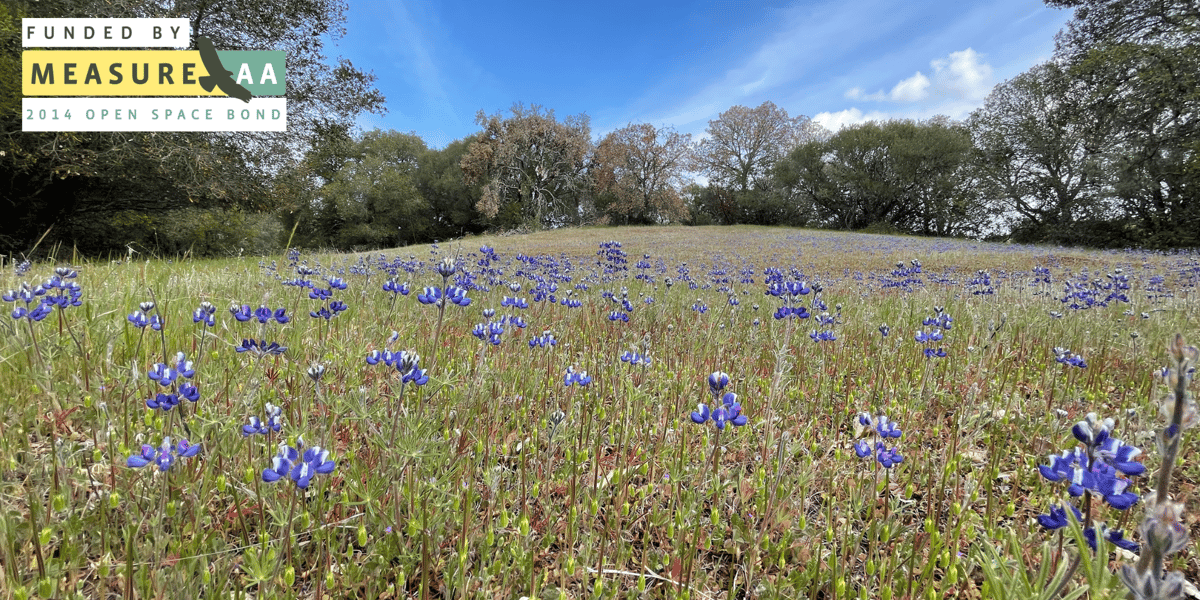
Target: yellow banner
114, 73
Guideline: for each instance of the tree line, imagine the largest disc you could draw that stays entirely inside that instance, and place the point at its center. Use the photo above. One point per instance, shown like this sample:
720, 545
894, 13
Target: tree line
1098, 146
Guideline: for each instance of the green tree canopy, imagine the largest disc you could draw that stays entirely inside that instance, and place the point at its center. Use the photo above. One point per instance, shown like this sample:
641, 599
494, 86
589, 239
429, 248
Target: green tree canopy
374, 195
904, 175
1139, 62
1038, 154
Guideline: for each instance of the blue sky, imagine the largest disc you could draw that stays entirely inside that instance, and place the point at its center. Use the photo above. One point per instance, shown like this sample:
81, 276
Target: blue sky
681, 64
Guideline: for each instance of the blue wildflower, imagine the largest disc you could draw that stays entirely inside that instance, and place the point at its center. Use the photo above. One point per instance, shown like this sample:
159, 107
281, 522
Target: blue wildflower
408, 364
204, 314
164, 456
1066, 357
272, 424
261, 348
138, 318
299, 464
543, 341
396, 288
163, 402
883, 428
729, 411
717, 380
241, 313
576, 377
634, 358
162, 374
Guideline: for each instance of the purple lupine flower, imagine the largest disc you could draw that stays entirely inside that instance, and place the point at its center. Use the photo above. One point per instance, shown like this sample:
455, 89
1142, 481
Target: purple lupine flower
204, 314
576, 377
164, 456
633, 358
408, 364
887, 457
241, 313
272, 424
1093, 431
447, 268
717, 380
183, 366
457, 295
260, 348
617, 315
887, 428
138, 319
1066, 357
1121, 456
729, 411
163, 402
822, 336
1057, 517
1062, 467
545, 340
37, 313
189, 392
396, 288
882, 428
430, 295
162, 374
299, 464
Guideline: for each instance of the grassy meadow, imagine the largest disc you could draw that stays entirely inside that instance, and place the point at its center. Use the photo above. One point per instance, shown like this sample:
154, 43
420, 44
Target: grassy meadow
494, 479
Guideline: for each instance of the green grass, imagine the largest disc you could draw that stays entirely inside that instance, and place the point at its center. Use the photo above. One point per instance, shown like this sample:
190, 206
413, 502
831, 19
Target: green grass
627, 498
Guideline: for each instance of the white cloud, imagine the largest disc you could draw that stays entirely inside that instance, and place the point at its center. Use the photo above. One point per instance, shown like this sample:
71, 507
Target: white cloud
963, 74
958, 75
834, 121
911, 90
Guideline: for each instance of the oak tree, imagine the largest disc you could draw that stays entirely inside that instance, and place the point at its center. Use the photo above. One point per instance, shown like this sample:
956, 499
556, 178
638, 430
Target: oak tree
532, 166
742, 144
641, 168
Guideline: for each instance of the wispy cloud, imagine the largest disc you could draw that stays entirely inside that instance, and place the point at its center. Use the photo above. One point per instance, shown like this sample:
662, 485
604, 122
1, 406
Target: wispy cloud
956, 85
412, 45
961, 74
792, 55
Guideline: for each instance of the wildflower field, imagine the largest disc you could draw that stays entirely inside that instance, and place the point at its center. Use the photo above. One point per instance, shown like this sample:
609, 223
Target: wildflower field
730, 412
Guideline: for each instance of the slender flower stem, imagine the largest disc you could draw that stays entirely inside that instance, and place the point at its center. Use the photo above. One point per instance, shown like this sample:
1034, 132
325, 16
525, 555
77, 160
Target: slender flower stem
37, 349
396, 415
